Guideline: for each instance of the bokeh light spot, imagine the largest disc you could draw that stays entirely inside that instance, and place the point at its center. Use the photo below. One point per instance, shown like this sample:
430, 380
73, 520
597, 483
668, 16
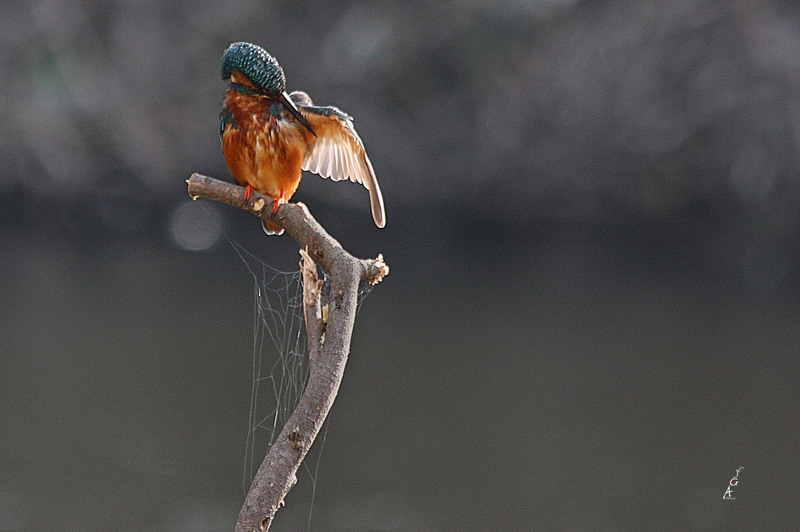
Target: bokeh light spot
195, 226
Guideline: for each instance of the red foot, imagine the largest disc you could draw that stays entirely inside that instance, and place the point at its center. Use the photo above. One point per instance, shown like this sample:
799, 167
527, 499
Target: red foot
277, 203
247, 191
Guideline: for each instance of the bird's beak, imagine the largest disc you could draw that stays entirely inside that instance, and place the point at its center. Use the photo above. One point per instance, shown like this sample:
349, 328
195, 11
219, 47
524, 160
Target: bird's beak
292, 108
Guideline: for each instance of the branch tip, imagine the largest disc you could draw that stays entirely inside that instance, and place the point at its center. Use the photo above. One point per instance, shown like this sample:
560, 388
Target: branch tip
377, 270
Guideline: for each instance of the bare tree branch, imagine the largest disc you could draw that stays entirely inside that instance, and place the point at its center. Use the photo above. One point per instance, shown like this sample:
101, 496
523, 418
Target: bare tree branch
329, 342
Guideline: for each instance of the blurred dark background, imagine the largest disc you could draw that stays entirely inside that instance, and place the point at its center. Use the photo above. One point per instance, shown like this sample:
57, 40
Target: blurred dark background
592, 315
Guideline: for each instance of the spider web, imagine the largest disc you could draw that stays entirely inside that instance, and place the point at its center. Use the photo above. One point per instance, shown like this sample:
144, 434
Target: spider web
280, 360
280, 356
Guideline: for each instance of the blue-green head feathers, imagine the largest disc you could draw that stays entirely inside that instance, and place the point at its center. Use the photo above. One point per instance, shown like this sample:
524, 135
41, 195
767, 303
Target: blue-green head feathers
256, 64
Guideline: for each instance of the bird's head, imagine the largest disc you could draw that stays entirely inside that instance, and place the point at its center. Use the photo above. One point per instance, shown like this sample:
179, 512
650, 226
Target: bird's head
248, 67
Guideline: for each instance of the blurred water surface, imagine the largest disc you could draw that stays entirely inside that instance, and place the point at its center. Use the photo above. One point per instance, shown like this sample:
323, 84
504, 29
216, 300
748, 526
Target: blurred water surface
565, 384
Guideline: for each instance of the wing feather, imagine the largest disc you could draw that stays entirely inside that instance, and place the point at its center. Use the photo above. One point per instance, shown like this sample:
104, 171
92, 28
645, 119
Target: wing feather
337, 152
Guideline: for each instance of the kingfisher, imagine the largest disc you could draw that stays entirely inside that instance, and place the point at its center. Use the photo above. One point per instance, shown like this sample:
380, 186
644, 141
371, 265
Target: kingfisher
269, 137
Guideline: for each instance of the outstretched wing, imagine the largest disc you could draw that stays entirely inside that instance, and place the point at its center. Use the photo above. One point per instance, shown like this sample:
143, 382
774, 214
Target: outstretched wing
338, 152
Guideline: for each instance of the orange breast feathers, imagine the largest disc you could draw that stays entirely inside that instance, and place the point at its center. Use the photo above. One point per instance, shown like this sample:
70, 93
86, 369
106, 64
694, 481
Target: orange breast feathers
260, 150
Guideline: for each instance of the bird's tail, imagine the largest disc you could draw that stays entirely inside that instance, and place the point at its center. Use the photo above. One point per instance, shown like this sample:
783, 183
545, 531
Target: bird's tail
271, 228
